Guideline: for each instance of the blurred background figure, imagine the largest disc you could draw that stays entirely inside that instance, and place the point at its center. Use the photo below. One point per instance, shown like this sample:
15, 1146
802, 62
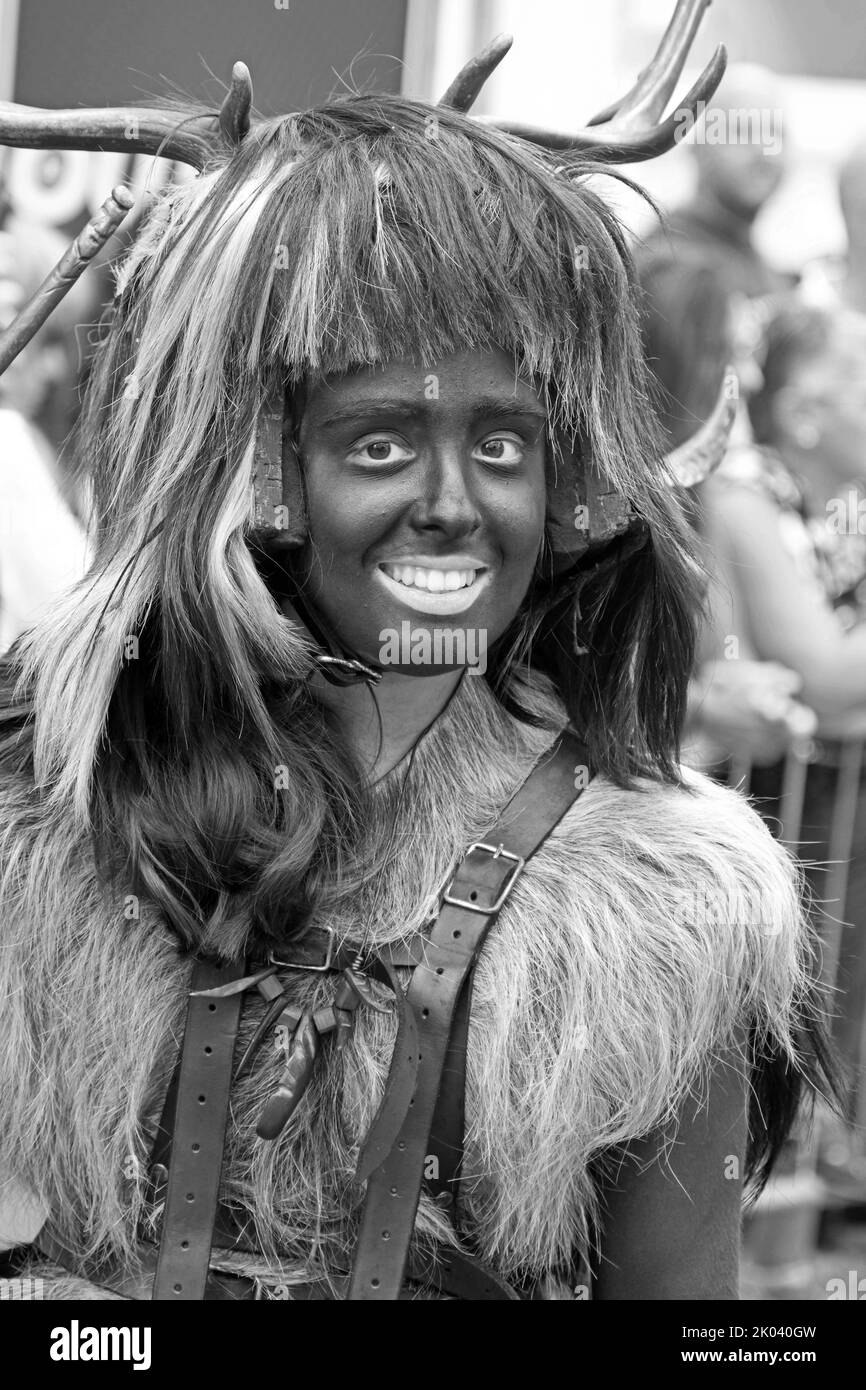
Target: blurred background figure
738, 152
852, 201
43, 548
783, 655
841, 279
740, 708
786, 522
782, 518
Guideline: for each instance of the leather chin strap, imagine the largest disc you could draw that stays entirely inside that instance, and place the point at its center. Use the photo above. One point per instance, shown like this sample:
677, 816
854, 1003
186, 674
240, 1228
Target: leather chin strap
334, 660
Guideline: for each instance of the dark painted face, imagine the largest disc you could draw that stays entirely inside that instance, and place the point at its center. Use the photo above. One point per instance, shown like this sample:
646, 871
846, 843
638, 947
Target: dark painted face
426, 497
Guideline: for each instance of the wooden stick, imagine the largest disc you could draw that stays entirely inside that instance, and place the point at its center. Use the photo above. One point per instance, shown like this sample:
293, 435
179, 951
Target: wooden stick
60, 280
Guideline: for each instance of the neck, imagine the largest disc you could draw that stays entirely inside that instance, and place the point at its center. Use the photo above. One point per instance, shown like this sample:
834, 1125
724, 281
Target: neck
709, 208
382, 725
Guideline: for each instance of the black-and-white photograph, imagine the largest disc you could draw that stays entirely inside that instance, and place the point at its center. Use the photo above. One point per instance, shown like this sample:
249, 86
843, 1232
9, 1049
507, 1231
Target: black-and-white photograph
439, 872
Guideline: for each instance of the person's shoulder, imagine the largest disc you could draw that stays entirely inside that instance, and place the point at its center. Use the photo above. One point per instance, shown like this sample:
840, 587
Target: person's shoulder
694, 854
750, 497
673, 926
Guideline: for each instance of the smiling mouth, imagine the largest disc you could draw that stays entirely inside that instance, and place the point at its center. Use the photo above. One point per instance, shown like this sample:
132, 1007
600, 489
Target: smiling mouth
434, 590
430, 580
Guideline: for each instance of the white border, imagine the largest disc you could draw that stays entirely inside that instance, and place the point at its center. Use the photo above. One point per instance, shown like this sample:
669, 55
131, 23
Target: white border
8, 47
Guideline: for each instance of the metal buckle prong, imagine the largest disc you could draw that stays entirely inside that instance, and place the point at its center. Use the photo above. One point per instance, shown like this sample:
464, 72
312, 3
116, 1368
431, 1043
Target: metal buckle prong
292, 965
497, 852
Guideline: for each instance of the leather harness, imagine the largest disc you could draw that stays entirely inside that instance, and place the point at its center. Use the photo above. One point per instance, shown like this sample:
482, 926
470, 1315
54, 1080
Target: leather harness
421, 1116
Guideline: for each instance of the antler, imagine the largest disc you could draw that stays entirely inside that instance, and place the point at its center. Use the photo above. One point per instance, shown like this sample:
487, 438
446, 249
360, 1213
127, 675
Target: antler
650, 94
471, 78
692, 462
235, 110
114, 128
631, 129
139, 129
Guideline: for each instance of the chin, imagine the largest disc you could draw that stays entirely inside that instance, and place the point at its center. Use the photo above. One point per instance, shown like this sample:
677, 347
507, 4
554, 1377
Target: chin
415, 645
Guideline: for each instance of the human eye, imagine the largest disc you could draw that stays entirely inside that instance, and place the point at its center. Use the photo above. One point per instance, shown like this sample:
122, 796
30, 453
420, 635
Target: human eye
380, 449
504, 450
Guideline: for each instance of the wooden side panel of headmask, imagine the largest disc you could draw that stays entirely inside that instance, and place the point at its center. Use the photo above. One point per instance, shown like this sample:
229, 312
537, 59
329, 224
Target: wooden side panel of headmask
278, 489
583, 510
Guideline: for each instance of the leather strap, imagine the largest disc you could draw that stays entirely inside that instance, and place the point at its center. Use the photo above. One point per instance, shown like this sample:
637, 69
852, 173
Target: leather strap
452, 1275
201, 1111
470, 908
449, 1119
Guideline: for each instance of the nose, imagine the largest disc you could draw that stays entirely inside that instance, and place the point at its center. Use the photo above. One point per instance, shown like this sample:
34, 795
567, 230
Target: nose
447, 502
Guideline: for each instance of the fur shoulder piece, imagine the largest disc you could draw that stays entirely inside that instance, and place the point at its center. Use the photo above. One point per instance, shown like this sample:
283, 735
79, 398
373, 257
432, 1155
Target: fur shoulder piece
650, 929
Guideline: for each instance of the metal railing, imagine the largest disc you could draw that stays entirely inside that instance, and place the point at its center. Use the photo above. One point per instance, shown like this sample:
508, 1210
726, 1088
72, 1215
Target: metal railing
782, 1234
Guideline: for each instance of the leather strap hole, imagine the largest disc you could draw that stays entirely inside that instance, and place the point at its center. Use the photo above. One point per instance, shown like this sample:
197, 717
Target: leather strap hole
393, 1192
374, 1283
473, 896
457, 933
208, 1051
202, 1099
440, 969
425, 1013
184, 1245
196, 1148
190, 1196
386, 1235
178, 1288
211, 1008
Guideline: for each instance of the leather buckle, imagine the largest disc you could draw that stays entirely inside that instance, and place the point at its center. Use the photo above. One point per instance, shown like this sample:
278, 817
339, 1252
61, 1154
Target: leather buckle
497, 852
295, 965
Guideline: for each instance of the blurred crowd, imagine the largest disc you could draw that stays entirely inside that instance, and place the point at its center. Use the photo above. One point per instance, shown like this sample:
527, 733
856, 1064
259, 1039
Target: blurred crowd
778, 698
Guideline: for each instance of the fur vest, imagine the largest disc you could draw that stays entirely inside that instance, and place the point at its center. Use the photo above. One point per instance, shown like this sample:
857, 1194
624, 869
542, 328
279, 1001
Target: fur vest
650, 927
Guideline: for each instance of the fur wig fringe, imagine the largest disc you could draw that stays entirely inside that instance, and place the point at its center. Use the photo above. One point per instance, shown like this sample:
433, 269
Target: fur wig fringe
652, 926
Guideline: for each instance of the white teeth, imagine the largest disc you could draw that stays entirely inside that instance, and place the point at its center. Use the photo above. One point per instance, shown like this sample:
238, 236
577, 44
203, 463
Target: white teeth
434, 581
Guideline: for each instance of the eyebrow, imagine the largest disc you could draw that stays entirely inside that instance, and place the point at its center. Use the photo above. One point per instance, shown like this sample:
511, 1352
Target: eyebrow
401, 409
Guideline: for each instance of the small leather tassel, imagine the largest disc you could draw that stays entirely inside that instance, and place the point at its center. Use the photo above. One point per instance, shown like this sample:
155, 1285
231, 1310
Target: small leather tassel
280, 1107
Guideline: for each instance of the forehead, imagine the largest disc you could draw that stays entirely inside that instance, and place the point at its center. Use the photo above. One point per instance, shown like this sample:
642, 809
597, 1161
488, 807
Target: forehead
460, 381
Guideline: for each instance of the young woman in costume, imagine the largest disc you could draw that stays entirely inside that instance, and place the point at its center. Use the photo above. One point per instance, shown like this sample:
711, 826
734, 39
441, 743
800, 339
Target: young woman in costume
210, 755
